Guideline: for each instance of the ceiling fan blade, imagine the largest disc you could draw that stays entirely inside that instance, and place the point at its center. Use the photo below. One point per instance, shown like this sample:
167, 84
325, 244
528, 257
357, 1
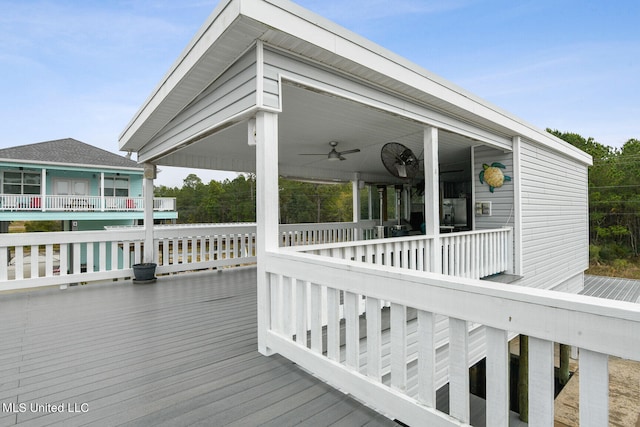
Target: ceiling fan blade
312, 154
356, 150
342, 158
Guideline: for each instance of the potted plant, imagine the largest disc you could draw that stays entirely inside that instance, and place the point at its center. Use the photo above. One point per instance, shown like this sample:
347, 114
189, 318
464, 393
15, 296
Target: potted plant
144, 272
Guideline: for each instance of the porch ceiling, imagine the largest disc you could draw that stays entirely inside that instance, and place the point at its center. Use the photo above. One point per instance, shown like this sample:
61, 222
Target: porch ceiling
308, 122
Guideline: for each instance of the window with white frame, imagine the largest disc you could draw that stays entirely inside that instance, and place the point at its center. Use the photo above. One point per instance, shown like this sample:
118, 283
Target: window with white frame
116, 186
21, 182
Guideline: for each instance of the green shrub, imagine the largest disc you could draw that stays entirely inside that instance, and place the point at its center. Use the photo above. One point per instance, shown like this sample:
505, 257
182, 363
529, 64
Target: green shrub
594, 254
36, 226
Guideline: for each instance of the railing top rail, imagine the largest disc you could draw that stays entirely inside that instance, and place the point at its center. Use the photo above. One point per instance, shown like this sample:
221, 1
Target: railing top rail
605, 326
67, 237
317, 247
315, 225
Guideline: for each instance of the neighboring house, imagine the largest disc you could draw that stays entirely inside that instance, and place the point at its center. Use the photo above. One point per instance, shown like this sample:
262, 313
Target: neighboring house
265, 82
83, 186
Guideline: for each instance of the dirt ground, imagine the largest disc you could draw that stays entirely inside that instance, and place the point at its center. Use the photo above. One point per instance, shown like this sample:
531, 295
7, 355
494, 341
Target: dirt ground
624, 392
624, 396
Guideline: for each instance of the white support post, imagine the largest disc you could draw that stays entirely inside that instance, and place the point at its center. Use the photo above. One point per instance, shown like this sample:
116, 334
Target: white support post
149, 176
432, 195
102, 199
497, 377
541, 382
355, 195
427, 358
459, 404
516, 260
43, 190
594, 388
370, 191
266, 141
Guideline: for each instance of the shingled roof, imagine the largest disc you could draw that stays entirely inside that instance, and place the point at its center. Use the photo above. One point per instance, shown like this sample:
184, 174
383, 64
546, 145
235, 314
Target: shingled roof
66, 151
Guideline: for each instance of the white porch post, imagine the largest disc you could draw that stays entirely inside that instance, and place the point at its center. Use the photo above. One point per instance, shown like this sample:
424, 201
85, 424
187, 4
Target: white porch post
517, 205
149, 176
267, 202
370, 191
355, 195
43, 189
432, 195
102, 200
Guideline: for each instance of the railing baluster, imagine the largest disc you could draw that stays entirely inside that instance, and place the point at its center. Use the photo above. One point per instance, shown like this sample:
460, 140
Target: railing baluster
4, 260
90, 257
398, 347
497, 377
102, 256
316, 318
287, 319
459, 407
333, 324
426, 359
301, 311
19, 262
594, 388
64, 259
48, 263
352, 333
541, 382
35, 255
374, 338
114, 256
76, 258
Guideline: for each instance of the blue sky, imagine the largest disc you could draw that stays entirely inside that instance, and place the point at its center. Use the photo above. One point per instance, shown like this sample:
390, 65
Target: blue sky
82, 68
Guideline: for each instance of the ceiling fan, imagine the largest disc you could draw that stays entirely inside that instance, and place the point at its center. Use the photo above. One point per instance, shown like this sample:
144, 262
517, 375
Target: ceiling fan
333, 154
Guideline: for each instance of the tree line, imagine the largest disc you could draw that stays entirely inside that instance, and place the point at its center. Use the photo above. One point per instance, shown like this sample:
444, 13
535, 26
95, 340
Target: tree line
614, 197
235, 201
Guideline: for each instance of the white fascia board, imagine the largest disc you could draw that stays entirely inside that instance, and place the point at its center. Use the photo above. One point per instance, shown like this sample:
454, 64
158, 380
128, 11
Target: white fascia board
67, 166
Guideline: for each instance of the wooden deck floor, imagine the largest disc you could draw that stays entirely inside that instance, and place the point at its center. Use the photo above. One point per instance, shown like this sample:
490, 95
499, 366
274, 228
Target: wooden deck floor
181, 351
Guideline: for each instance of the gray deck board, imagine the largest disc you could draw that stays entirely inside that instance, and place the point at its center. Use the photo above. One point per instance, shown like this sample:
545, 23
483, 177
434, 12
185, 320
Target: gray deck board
615, 288
182, 351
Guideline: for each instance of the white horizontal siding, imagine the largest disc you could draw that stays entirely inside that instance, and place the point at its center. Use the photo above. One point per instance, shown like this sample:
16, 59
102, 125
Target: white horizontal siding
502, 213
231, 94
554, 219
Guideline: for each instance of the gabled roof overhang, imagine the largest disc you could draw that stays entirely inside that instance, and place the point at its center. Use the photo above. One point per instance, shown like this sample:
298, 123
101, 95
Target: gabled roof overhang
236, 25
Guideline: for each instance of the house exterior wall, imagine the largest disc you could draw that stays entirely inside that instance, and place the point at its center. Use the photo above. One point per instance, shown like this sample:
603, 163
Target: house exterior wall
95, 218
555, 241
502, 206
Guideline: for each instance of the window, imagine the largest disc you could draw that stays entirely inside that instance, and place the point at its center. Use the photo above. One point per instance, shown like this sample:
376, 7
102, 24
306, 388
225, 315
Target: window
20, 182
116, 186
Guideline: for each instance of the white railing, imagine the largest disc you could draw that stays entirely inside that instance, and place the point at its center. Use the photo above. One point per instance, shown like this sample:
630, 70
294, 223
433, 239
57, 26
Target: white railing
32, 202
194, 248
472, 254
325, 233
43, 259
433, 323
59, 258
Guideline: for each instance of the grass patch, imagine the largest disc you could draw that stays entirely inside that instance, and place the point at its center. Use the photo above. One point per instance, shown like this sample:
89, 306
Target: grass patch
627, 268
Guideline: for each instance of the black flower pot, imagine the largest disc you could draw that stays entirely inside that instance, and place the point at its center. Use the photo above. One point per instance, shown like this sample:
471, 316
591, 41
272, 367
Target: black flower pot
144, 273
